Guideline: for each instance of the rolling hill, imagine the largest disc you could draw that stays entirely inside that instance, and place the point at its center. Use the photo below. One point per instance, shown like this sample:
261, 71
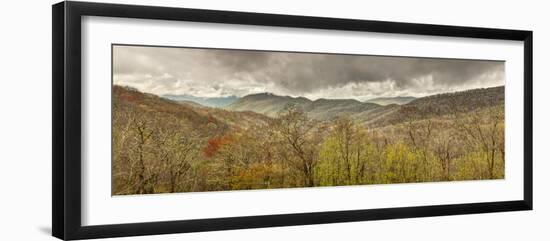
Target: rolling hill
375, 114
440, 105
190, 112
168, 145
399, 100
260, 108
321, 109
205, 101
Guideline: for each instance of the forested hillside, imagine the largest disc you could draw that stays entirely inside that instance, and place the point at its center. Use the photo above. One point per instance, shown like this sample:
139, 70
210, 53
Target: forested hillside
204, 101
447, 105
400, 100
268, 141
321, 109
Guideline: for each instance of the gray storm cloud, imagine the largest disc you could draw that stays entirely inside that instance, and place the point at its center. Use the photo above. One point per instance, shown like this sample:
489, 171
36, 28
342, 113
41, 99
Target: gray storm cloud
214, 72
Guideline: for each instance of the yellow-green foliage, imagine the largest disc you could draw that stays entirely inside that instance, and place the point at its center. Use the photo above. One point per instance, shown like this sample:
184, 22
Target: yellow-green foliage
171, 149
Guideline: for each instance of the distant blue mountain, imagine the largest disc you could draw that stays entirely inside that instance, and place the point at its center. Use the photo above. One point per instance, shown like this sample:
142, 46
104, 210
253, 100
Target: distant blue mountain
217, 102
321, 109
399, 100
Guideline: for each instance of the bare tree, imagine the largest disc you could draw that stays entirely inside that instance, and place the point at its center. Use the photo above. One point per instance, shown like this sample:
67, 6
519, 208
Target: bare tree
143, 132
176, 148
302, 139
481, 128
419, 128
446, 147
484, 130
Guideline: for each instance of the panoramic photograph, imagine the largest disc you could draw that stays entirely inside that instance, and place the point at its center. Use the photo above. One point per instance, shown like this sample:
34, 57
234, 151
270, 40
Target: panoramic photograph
201, 119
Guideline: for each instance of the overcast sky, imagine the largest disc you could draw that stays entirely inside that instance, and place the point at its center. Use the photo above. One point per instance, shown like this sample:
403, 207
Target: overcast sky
211, 73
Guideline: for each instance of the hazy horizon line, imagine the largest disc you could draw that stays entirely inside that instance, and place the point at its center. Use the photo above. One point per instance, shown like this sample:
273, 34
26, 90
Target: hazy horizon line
311, 99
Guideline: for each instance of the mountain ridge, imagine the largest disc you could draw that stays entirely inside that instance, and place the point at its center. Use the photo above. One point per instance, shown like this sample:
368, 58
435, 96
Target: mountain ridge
204, 101
400, 100
268, 105
323, 109
376, 114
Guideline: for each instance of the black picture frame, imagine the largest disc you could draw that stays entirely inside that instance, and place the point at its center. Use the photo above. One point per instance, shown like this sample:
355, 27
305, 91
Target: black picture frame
66, 128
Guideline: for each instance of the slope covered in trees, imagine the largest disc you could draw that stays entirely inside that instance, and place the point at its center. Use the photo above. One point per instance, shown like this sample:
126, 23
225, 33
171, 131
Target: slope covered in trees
374, 115
444, 106
321, 109
399, 100
204, 101
162, 146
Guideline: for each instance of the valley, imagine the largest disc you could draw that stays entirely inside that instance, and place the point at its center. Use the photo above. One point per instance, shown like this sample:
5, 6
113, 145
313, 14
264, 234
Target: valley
176, 143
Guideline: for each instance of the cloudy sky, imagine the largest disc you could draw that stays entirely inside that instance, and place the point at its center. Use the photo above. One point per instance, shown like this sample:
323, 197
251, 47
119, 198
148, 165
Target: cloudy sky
212, 73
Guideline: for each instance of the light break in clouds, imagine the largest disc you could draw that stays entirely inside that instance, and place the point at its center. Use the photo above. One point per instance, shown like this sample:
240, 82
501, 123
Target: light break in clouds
220, 72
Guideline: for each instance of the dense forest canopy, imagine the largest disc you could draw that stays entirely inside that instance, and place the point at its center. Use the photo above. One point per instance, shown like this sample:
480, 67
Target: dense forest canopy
263, 141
